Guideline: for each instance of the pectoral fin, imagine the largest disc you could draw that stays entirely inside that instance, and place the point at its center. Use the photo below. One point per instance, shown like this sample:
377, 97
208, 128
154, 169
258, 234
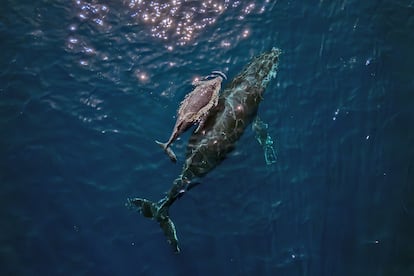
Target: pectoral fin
262, 136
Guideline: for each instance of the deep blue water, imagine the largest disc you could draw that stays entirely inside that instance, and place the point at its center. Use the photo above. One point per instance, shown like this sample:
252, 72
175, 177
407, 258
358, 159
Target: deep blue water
86, 88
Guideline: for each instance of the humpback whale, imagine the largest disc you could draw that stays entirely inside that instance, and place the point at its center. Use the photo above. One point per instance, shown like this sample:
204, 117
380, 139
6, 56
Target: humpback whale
236, 108
195, 108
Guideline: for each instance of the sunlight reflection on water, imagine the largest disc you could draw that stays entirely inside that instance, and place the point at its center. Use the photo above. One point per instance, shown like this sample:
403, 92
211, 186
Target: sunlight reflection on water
112, 38
177, 18
176, 21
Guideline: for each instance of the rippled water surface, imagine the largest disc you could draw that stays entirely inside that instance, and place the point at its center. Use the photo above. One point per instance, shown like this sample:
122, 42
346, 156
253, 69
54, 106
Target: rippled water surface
87, 86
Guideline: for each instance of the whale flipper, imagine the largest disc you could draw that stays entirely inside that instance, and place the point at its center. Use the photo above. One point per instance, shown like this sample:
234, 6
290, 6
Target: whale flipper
262, 136
159, 213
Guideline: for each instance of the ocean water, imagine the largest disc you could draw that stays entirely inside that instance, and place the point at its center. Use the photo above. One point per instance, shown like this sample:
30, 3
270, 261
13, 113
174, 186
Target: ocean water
87, 86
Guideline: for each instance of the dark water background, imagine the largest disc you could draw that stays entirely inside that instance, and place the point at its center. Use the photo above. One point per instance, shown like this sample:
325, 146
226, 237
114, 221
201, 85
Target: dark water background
86, 87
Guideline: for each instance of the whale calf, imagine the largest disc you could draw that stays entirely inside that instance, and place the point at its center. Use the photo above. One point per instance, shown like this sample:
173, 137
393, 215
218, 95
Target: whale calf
236, 108
195, 108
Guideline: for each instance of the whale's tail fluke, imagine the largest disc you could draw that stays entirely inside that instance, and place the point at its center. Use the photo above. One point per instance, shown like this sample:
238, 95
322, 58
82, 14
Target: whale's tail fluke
168, 150
158, 212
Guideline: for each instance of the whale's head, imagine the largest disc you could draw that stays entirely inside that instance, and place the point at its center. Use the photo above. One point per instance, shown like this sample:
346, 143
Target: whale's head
263, 68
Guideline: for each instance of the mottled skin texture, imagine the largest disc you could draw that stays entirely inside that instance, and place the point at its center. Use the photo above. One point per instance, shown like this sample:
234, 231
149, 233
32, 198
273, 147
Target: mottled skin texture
236, 108
194, 109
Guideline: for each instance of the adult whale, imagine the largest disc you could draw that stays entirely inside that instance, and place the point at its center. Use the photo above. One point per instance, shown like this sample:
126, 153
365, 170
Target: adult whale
236, 108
